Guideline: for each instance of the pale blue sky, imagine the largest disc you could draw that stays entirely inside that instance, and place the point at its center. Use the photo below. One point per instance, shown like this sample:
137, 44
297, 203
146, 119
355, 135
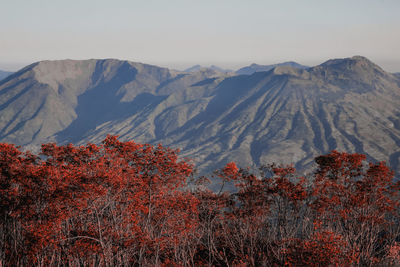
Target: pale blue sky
180, 33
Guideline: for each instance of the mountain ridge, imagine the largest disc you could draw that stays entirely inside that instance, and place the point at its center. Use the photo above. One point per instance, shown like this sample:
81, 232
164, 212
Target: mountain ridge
283, 115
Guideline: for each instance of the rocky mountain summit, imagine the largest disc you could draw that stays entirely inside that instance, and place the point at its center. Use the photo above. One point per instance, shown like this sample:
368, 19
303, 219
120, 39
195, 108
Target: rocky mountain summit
284, 115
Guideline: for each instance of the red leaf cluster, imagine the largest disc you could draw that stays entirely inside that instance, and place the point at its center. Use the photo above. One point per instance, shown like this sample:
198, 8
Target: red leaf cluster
123, 204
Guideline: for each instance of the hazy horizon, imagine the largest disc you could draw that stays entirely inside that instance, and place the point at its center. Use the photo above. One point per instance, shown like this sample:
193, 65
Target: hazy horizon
180, 33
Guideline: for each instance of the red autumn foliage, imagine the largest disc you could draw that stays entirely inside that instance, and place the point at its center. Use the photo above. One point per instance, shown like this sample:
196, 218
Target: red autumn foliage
359, 200
323, 248
123, 204
96, 203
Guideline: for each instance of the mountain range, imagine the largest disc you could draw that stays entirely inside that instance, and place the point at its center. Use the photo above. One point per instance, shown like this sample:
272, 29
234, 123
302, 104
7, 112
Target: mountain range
288, 114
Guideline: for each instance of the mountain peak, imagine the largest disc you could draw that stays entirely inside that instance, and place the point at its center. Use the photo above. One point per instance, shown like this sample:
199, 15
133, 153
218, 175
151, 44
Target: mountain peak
353, 66
258, 68
358, 57
193, 68
288, 70
351, 63
214, 68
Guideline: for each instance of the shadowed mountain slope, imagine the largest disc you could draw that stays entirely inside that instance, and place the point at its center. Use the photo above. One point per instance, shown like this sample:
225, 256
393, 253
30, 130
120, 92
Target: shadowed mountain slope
284, 115
63, 100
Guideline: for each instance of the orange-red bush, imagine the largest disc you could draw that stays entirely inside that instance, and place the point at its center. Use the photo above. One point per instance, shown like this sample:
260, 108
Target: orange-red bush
123, 203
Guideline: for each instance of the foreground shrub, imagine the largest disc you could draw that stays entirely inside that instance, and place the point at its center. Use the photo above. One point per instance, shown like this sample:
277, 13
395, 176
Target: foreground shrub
116, 203
124, 204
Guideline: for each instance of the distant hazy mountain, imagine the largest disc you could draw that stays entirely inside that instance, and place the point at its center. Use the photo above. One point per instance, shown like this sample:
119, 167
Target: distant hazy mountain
212, 67
284, 115
193, 68
4, 74
258, 68
397, 74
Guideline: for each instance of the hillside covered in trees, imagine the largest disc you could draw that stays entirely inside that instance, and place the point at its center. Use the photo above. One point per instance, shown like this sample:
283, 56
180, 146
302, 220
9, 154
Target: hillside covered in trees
128, 204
